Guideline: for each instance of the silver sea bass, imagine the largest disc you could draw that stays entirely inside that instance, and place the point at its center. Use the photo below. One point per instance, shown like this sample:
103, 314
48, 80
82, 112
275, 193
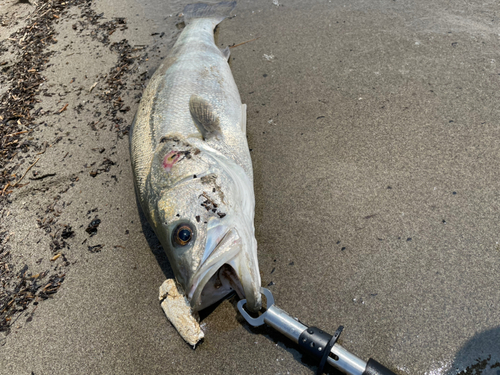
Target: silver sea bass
192, 166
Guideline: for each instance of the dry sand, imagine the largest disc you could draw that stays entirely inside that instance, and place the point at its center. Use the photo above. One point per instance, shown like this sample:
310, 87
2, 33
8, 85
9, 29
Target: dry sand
374, 130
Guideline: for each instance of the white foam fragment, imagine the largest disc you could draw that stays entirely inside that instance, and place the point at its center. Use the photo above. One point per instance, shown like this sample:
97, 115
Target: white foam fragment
179, 313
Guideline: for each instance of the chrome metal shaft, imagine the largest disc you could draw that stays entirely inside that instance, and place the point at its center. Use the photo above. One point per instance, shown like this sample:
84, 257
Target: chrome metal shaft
339, 358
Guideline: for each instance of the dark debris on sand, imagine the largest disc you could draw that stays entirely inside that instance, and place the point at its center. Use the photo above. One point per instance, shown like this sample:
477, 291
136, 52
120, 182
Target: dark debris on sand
25, 76
23, 59
19, 290
92, 227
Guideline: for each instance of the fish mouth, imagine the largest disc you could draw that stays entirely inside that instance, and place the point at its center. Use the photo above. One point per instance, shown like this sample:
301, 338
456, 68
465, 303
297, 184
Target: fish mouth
226, 268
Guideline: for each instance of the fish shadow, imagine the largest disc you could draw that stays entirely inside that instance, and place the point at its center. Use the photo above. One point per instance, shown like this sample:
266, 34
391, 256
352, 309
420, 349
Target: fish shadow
154, 243
478, 356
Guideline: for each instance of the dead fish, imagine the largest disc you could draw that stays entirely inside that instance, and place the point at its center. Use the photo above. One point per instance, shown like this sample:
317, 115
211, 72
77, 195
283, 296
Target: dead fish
192, 166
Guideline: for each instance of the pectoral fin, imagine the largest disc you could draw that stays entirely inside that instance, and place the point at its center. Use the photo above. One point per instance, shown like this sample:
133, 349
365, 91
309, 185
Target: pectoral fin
204, 116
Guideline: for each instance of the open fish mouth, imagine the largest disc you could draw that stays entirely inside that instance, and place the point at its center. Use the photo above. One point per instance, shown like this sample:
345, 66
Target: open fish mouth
226, 268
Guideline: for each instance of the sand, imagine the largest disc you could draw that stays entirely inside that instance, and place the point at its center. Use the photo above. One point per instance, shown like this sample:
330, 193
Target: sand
374, 135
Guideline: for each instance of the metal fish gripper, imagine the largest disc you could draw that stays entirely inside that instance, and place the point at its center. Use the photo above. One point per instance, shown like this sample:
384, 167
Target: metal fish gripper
313, 341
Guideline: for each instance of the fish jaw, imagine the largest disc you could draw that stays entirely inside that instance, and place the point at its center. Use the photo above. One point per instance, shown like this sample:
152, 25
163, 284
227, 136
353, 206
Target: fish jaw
249, 278
228, 267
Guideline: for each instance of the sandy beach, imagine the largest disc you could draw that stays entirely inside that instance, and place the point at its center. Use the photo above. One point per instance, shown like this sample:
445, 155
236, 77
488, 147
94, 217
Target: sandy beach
373, 129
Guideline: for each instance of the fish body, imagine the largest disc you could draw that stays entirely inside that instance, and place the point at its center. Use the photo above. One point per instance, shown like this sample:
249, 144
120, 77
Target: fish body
192, 166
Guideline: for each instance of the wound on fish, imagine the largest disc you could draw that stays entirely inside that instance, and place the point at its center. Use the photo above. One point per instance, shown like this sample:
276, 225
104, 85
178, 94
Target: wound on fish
170, 159
173, 157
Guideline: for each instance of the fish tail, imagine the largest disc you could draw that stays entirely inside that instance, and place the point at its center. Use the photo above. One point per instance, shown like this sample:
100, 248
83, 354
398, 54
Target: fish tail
217, 11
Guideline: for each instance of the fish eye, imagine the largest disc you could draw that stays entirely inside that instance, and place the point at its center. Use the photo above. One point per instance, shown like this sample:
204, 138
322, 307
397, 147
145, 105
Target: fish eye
183, 234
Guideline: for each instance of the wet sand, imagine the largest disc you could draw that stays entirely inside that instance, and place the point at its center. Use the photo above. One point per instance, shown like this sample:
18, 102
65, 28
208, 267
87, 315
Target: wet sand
374, 135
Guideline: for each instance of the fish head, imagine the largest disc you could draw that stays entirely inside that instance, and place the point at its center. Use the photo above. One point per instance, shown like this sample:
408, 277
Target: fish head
203, 211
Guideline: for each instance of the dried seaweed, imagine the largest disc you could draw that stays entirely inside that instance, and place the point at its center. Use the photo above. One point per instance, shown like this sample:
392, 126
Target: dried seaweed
92, 227
104, 167
18, 292
24, 56
25, 79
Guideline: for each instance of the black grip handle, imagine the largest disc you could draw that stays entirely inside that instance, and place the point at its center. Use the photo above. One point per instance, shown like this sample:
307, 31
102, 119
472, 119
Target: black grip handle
318, 344
375, 368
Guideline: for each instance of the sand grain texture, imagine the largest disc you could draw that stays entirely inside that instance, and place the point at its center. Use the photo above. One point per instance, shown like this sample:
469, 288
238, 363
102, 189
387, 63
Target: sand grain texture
374, 135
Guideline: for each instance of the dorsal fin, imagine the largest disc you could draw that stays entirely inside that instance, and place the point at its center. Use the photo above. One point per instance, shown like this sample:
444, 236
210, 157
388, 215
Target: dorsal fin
204, 116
